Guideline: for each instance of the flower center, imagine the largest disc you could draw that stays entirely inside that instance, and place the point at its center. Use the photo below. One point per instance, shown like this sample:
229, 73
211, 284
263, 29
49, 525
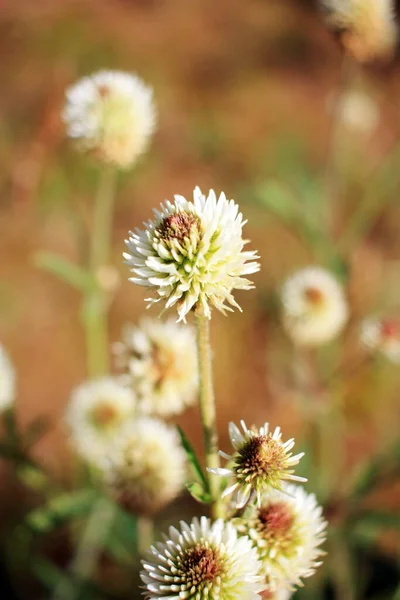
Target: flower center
276, 519
103, 415
260, 456
314, 296
200, 564
178, 226
389, 329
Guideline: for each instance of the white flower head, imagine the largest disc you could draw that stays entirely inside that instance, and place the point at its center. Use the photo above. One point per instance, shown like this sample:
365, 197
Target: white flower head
382, 336
95, 414
192, 255
260, 461
368, 27
145, 467
314, 306
202, 561
7, 381
359, 112
161, 360
287, 529
110, 114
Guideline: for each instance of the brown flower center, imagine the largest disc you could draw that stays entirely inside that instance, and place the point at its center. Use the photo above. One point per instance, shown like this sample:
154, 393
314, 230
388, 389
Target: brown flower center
103, 415
200, 564
276, 519
261, 455
389, 329
314, 296
178, 226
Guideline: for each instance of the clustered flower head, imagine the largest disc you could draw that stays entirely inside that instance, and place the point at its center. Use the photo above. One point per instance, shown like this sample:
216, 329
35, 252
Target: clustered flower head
260, 461
7, 381
145, 466
203, 561
191, 255
368, 28
111, 115
314, 307
95, 414
382, 335
287, 528
161, 360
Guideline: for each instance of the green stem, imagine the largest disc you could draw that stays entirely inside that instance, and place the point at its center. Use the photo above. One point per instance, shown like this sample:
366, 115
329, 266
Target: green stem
145, 532
208, 412
95, 302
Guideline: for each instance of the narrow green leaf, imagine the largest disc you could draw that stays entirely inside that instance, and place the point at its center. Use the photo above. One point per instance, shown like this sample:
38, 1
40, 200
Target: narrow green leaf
199, 493
60, 509
193, 460
69, 272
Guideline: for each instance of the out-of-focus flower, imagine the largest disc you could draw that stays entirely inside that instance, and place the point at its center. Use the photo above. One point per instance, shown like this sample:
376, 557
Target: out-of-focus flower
287, 529
161, 360
314, 307
359, 112
95, 414
110, 114
382, 336
368, 28
192, 254
7, 381
279, 594
202, 561
260, 461
145, 467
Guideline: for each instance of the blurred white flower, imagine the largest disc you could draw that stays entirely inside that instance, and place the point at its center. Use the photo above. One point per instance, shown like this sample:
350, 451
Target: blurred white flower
95, 414
161, 360
368, 26
260, 461
382, 336
202, 561
359, 112
7, 381
314, 307
192, 254
279, 594
110, 114
287, 530
145, 467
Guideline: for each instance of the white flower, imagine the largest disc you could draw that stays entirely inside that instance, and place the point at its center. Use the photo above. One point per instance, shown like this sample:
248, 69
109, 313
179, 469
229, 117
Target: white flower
359, 112
95, 414
192, 254
382, 335
261, 461
202, 561
161, 359
7, 381
112, 115
145, 467
287, 530
314, 307
368, 26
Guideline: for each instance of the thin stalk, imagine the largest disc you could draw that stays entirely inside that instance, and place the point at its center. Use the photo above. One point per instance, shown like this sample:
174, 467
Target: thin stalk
145, 532
208, 412
94, 314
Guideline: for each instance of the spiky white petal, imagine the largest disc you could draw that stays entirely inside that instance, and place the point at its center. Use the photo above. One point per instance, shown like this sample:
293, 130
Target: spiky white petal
161, 360
95, 414
260, 461
191, 255
287, 529
368, 26
110, 114
382, 336
202, 561
145, 466
314, 307
7, 381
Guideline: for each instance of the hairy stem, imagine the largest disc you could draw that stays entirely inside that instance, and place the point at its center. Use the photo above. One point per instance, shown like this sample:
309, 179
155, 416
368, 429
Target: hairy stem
95, 308
208, 412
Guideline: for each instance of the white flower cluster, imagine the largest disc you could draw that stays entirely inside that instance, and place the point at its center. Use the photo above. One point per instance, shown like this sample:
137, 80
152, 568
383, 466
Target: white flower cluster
7, 381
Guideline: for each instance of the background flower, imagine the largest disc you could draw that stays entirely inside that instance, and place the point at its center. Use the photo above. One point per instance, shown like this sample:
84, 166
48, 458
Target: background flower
7, 380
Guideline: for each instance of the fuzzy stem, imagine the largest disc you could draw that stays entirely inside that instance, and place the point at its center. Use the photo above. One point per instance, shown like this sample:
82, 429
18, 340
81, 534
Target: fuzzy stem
208, 412
145, 533
94, 314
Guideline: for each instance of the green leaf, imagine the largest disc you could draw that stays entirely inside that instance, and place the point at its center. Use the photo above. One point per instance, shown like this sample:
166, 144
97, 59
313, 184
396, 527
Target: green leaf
197, 491
370, 525
381, 467
121, 541
61, 508
69, 272
193, 460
